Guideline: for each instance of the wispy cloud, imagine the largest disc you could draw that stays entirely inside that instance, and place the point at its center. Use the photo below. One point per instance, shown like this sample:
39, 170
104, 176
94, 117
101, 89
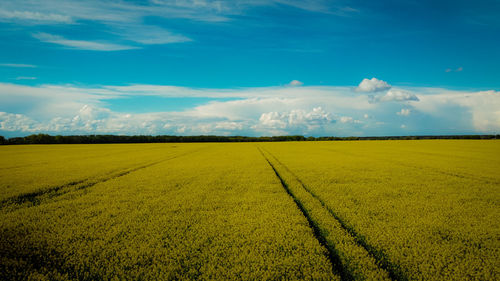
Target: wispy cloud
313, 6
148, 34
34, 17
81, 44
20, 65
25, 78
459, 69
126, 19
110, 12
223, 8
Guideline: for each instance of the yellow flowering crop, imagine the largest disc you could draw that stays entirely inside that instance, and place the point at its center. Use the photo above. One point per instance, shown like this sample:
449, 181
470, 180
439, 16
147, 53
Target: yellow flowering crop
360, 210
426, 210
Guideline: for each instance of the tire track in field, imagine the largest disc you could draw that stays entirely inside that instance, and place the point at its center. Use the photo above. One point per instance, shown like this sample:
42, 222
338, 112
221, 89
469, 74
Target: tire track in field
37, 197
332, 256
382, 260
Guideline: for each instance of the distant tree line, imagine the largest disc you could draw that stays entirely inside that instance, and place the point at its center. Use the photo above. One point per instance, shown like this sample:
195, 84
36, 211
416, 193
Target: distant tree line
87, 139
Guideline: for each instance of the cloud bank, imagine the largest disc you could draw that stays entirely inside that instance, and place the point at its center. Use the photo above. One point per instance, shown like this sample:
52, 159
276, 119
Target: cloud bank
305, 110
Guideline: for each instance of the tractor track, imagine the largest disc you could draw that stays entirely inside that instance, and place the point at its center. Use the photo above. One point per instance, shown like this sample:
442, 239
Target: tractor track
382, 260
332, 256
35, 198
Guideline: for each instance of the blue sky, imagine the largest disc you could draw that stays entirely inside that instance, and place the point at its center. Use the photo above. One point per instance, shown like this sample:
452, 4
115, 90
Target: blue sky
225, 67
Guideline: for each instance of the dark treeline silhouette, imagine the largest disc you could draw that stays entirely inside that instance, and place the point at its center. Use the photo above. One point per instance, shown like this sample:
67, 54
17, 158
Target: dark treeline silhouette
86, 139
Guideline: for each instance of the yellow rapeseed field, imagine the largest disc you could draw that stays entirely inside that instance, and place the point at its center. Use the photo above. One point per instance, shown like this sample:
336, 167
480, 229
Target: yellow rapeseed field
359, 210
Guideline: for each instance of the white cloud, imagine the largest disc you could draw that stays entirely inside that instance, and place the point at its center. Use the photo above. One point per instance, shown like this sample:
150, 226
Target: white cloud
257, 101
274, 120
80, 44
229, 126
346, 119
256, 111
25, 78
232, 7
485, 109
16, 123
482, 106
20, 65
33, 16
404, 112
48, 101
403, 126
318, 6
372, 85
295, 83
148, 34
87, 120
395, 95
295, 120
126, 19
